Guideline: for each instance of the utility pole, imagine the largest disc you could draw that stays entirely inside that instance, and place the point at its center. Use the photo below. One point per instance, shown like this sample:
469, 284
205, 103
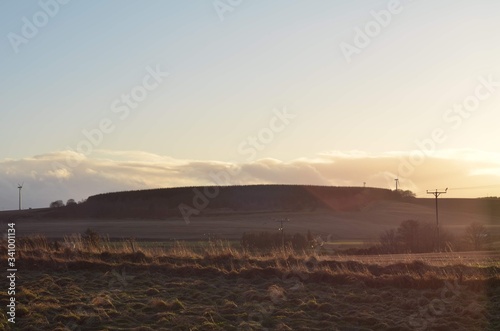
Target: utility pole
397, 182
437, 193
282, 229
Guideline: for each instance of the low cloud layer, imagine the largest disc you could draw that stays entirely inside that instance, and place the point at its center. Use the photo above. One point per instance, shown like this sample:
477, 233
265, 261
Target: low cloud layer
64, 175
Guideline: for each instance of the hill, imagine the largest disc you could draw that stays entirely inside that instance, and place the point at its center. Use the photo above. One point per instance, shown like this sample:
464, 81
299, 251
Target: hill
176, 202
351, 214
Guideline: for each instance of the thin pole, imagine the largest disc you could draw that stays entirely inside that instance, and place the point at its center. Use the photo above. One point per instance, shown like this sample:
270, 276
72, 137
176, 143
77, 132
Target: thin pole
20, 187
437, 220
436, 194
282, 229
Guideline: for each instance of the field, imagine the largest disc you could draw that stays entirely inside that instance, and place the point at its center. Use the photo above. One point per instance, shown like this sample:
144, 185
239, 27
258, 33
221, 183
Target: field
166, 274
218, 287
333, 226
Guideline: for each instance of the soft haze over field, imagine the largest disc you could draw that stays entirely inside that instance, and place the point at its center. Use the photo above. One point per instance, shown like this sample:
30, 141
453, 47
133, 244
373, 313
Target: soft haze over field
419, 99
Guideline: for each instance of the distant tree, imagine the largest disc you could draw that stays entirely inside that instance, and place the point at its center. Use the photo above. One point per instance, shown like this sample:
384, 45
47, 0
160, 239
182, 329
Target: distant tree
390, 241
57, 204
412, 237
408, 233
406, 194
71, 202
476, 235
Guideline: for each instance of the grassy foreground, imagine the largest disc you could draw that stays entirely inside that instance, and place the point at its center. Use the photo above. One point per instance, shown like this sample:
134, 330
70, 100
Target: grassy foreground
79, 287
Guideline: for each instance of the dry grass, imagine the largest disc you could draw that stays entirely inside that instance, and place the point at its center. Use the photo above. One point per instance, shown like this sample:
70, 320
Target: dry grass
217, 287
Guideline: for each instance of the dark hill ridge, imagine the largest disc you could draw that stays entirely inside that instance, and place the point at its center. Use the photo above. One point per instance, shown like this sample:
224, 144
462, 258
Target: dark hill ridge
213, 200
252, 198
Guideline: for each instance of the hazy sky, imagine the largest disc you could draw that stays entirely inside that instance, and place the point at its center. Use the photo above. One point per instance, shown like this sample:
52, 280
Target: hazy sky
98, 96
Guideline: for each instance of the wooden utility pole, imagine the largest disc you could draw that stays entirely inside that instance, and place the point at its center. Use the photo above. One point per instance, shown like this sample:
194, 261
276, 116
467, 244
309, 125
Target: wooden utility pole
437, 193
282, 229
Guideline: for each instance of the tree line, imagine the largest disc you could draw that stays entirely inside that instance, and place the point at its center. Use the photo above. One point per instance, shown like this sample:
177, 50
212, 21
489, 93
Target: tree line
60, 203
413, 236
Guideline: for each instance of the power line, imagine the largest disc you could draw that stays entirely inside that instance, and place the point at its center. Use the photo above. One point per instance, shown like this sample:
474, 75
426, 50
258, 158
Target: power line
473, 187
465, 188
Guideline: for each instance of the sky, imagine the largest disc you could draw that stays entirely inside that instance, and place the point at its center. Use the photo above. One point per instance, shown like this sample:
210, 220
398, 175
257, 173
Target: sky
100, 96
